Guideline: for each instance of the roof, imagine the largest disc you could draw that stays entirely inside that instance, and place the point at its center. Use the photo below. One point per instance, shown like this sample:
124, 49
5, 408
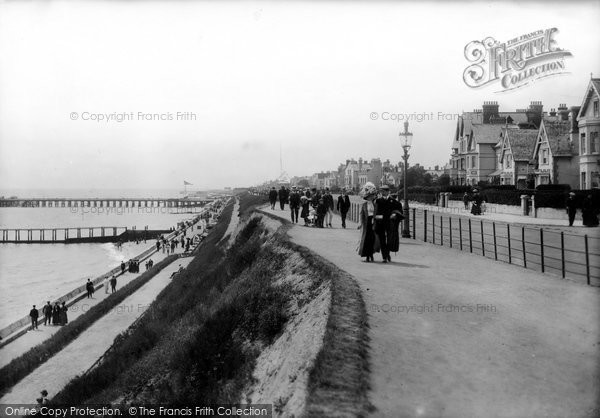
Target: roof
486, 134
522, 142
559, 139
593, 87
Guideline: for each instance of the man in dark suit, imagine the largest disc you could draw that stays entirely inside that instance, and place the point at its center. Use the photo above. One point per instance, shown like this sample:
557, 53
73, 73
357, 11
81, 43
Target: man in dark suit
273, 197
388, 211
571, 208
282, 197
343, 205
294, 204
33, 313
47, 311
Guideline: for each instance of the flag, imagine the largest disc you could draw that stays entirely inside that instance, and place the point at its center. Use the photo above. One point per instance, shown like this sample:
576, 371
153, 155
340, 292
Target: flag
185, 183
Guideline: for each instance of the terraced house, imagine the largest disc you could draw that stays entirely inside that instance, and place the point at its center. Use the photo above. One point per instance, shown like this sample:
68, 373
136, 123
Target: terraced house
589, 142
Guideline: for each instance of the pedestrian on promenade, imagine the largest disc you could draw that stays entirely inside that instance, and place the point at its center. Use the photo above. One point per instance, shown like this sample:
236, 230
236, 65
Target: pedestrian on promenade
571, 206
477, 199
47, 311
150, 263
56, 314
321, 212
343, 205
589, 212
305, 203
466, 200
173, 245
43, 400
123, 262
369, 243
89, 287
34, 314
282, 197
273, 197
113, 284
328, 199
106, 283
157, 245
294, 204
62, 316
388, 213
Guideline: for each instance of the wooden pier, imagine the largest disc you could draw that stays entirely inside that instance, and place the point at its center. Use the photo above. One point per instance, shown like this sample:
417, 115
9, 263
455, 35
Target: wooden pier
75, 235
101, 202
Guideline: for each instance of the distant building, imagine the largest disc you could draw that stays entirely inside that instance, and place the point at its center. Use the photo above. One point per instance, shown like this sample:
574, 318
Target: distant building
554, 158
588, 129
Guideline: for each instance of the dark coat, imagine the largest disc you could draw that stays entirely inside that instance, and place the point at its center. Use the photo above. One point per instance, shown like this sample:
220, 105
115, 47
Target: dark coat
294, 200
369, 242
386, 208
34, 313
343, 204
328, 200
273, 195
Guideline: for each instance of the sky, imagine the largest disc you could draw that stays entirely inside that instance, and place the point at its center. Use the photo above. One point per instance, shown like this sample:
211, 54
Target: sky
259, 85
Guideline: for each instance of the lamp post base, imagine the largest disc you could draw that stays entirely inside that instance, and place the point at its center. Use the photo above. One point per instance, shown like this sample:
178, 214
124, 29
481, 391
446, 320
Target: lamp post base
406, 226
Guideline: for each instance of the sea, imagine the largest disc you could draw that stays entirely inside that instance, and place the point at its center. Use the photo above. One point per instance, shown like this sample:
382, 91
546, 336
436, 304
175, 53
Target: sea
34, 273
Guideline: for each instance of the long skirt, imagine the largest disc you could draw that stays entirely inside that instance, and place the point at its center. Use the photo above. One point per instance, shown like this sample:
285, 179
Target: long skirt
368, 238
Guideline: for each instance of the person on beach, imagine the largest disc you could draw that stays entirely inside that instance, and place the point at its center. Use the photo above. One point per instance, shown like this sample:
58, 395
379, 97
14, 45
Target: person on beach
113, 284
388, 214
571, 205
56, 314
62, 316
294, 204
343, 206
368, 244
328, 199
47, 311
273, 197
34, 314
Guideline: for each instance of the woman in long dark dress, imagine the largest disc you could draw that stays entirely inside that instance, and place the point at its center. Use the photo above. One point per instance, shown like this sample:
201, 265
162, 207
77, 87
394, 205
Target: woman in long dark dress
589, 212
63, 314
56, 314
368, 240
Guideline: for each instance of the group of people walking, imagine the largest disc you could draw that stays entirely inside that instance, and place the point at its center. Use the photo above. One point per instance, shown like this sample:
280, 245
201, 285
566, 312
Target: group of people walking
589, 212
380, 216
314, 206
53, 315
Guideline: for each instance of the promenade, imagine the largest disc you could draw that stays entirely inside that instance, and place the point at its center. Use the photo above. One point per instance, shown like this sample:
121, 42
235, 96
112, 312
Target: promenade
77, 357
455, 334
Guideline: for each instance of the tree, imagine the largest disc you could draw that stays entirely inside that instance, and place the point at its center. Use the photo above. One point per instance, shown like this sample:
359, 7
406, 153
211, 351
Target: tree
444, 180
303, 183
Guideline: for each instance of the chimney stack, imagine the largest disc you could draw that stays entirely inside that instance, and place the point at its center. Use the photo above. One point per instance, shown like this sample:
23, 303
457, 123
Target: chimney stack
490, 109
563, 112
534, 113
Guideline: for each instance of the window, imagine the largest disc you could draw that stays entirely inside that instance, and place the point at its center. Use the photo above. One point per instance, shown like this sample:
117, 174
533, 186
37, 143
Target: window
594, 143
473, 162
508, 161
596, 110
582, 144
544, 156
583, 185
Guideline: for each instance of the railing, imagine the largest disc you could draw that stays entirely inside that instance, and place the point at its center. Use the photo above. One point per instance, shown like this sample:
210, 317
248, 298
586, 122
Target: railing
542, 249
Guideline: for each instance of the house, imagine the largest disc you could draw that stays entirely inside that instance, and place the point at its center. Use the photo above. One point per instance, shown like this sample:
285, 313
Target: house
555, 156
514, 151
588, 128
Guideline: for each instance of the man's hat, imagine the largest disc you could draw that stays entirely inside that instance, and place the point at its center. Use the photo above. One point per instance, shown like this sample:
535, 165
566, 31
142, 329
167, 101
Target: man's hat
44, 392
385, 187
572, 193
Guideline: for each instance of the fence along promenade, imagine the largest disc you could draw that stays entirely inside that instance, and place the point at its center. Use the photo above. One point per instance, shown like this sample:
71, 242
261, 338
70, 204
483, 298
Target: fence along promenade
572, 256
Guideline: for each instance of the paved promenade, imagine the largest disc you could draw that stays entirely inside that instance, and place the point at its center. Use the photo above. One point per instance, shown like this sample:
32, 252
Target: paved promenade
82, 353
457, 335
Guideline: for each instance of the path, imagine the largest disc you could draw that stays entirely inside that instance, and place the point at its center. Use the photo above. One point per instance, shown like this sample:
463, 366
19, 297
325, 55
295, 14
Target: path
457, 335
81, 354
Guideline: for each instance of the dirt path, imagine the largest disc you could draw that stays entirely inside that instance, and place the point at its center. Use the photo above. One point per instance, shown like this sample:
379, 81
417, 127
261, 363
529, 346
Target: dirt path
81, 354
457, 335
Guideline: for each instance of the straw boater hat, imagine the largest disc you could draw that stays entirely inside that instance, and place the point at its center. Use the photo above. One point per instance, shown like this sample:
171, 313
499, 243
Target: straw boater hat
572, 193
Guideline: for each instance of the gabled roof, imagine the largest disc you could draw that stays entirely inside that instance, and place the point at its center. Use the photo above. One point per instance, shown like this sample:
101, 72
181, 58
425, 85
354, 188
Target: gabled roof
558, 137
521, 142
486, 134
593, 87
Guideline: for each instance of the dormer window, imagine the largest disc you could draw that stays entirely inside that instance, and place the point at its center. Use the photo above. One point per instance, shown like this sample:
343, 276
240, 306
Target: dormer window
596, 110
544, 156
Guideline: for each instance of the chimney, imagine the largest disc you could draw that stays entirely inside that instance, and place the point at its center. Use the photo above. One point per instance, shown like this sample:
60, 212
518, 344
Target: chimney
360, 161
534, 113
563, 112
490, 109
574, 123
552, 112
437, 167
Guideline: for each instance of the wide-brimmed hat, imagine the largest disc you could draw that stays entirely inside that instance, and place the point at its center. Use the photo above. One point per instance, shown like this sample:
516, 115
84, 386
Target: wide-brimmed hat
368, 190
44, 392
572, 193
385, 187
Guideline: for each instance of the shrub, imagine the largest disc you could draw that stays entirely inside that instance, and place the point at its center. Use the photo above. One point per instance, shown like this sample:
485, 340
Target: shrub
554, 187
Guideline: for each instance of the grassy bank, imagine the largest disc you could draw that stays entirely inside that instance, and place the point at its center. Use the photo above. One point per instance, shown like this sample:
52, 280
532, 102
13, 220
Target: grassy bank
20, 367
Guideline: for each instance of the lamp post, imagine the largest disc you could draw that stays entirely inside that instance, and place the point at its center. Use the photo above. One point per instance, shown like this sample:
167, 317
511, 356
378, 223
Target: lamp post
406, 141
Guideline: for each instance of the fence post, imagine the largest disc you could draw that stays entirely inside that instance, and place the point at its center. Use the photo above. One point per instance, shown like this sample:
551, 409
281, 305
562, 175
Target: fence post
450, 227
460, 232
424, 225
508, 237
441, 230
562, 252
495, 246
542, 248
414, 218
482, 241
433, 227
523, 244
587, 260
470, 238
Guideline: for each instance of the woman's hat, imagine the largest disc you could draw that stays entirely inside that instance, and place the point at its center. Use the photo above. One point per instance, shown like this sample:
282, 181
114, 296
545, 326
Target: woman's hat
44, 392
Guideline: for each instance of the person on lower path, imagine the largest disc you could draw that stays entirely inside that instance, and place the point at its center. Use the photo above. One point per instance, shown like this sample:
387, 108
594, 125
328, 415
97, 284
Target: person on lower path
571, 205
343, 205
273, 197
89, 287
43, 400
56, 314
63, 319
47, 311
34, 314
113, 284
387, 213
294, 200
368, 244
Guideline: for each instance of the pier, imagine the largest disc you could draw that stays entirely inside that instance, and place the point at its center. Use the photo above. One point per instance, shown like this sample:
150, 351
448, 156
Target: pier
76, 235
100, 202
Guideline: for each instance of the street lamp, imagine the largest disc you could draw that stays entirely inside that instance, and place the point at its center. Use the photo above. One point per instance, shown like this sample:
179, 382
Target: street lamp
406, 141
